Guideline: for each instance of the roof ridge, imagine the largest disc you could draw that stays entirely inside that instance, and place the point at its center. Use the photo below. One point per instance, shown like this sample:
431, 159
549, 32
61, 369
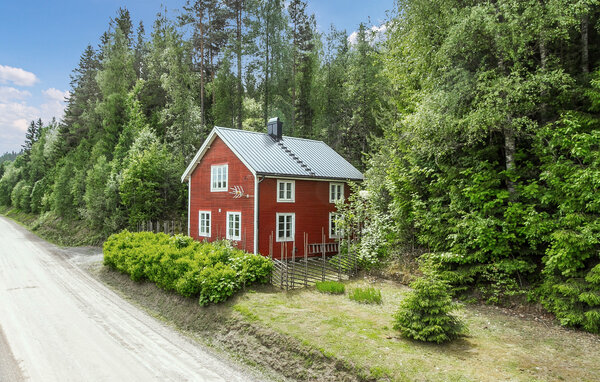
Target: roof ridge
261, 133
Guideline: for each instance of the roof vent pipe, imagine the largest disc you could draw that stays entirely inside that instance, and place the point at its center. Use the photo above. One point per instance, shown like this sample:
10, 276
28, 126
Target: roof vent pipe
275, 128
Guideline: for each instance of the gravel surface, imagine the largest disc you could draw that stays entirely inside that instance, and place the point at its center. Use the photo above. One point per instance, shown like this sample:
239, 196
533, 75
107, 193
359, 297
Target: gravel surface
57, 323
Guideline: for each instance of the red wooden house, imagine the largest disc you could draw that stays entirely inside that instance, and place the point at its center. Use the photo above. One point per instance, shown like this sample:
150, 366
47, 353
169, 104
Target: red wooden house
265, 191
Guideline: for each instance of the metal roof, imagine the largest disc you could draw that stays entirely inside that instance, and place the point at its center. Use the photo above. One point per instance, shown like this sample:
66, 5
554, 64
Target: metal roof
294, 157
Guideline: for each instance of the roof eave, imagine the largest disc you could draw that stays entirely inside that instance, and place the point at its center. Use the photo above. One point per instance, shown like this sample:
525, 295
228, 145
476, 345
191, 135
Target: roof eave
192, 166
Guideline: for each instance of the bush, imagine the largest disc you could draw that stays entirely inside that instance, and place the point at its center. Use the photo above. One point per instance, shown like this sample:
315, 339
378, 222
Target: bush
212, 271
424, 313
333, 287
368, 295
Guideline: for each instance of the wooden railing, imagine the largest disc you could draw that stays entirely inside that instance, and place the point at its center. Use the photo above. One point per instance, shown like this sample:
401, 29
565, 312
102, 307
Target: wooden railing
318, 248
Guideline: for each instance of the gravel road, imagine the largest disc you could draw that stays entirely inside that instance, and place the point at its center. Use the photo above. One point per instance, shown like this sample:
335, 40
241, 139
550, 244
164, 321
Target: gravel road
57, 323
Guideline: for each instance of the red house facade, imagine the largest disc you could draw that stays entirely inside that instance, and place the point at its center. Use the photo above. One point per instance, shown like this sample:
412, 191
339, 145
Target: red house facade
265, 192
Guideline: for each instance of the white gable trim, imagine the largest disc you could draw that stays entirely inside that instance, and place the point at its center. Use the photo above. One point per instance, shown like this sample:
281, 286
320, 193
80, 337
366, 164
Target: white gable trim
205, 146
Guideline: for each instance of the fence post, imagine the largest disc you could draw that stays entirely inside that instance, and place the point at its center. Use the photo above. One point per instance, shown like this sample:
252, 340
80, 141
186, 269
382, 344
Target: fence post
339, 259
293, 262
323, 253
287, 269
305, 259
281, 258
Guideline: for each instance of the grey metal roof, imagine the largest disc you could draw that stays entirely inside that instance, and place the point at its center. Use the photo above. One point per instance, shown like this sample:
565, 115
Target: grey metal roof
291, 156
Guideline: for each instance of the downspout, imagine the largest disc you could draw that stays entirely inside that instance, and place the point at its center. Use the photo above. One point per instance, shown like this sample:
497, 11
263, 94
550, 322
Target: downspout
189, 204
255, 213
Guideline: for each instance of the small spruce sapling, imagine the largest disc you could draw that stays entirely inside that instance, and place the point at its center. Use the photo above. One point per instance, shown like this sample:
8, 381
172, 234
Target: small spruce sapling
424, 314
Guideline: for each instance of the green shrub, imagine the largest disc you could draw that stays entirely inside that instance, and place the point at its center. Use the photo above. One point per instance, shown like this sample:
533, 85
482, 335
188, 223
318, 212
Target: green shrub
333, 287
212, 271
368, 295
217, 283
424, 314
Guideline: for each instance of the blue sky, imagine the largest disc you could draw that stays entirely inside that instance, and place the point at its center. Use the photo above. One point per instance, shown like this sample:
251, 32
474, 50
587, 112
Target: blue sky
41, 42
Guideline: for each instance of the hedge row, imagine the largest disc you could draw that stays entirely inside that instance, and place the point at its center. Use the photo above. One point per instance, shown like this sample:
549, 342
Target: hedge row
212, 271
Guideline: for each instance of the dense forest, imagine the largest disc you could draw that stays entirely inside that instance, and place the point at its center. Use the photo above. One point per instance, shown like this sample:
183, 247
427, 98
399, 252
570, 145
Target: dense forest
8, 157
477, 124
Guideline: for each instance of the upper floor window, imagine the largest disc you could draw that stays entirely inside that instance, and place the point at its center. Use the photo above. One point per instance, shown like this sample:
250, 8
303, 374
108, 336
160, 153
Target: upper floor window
285, 190
336, 192
218, 178
204, 223
234, 226
285, 227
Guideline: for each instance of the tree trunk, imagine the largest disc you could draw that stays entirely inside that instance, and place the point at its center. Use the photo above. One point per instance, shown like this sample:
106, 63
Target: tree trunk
266, 110
239, 64
543, 53
543, 64
509, 156
585, 66
202, 79
294, 63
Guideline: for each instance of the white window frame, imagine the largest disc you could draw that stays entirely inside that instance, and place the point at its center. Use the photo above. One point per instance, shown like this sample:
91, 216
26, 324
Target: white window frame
215, 171
229, 235
331, 194
332, 234
278, 238
286, 200
207, 233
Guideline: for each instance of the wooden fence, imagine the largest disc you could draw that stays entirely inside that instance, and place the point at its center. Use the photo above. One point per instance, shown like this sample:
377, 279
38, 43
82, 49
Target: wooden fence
170, 227
292, 272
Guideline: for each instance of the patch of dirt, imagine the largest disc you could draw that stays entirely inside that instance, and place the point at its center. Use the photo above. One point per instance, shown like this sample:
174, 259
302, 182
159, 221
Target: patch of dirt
278, 356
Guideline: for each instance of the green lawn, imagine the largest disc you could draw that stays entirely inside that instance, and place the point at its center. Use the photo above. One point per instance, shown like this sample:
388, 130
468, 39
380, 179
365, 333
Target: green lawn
498, 347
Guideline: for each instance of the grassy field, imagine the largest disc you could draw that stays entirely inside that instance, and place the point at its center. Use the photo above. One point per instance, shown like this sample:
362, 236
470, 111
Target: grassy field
500, 345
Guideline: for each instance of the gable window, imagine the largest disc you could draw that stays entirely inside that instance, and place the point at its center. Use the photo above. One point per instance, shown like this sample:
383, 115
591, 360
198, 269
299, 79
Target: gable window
204, 223
285, 227
334, 231
218, 178
336, 192
285, 191
234, 226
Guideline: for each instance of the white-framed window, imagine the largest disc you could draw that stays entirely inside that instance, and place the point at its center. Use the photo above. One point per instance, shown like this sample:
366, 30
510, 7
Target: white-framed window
218, 178
204, 223
336, 192
334, 231
286, 191
234, 226
285, 223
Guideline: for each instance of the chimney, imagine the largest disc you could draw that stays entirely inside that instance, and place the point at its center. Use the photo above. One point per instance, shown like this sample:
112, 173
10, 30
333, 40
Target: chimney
274, 128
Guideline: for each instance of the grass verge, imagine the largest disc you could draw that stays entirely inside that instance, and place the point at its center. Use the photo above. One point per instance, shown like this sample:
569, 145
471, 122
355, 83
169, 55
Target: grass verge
48, 226
333, 287
367, 295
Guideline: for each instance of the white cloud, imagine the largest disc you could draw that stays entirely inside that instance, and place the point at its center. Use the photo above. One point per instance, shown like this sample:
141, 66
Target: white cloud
56, 94
16, 113
17, 76
8, 94
374, 34
54, 105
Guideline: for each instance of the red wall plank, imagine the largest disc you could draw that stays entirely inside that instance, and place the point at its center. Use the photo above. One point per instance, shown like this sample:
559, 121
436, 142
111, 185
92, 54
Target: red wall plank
311, 208
219, 203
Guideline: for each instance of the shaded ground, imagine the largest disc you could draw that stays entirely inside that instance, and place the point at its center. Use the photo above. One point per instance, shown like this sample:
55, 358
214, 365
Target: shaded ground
60, 324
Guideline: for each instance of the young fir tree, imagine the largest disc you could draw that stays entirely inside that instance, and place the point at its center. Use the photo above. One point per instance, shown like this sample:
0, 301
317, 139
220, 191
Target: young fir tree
424, 314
